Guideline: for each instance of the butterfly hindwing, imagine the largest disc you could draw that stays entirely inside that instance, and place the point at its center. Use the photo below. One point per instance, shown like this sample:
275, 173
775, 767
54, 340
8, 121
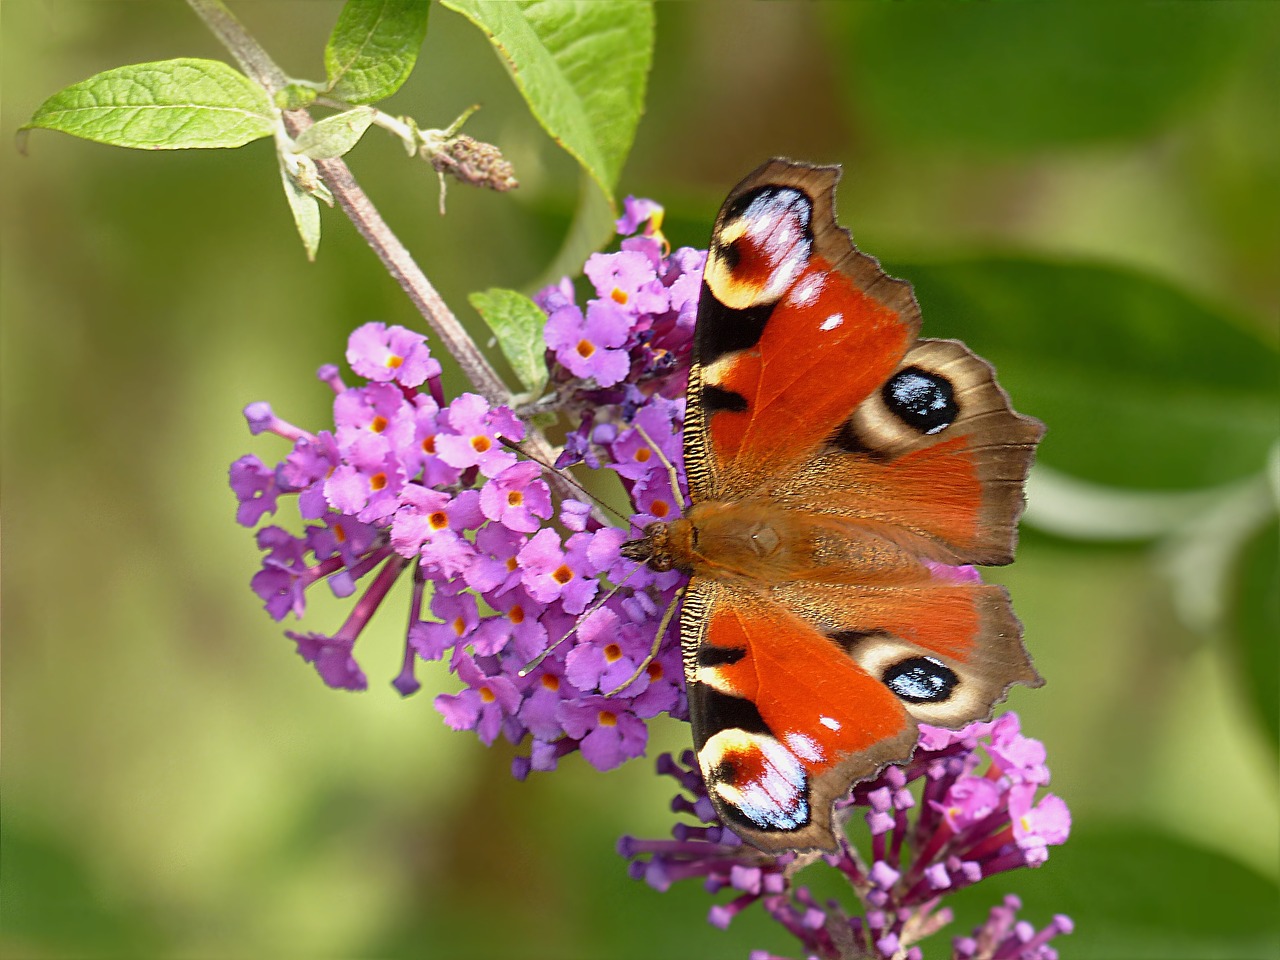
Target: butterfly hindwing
937, 451
783, 719
797, 694
948, 646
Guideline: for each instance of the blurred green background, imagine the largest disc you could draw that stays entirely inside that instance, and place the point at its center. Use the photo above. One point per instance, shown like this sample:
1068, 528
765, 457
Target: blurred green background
1089, 194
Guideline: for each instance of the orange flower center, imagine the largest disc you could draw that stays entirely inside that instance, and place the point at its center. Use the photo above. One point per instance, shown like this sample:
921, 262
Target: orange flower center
551, 682
643, 455
378, 425
515, 498
613, 653
619, 296
378, 482
481, 444
516, 614
429, 445
562, 574
608, 718
438, 520
486, 695
585, 349
394, 361
660, 508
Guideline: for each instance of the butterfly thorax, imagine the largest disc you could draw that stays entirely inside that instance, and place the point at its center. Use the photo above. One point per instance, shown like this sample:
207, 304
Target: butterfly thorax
761, 541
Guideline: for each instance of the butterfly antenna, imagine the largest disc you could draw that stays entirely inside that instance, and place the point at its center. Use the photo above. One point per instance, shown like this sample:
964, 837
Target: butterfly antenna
533, 664
671, 467
657, 643
566, 476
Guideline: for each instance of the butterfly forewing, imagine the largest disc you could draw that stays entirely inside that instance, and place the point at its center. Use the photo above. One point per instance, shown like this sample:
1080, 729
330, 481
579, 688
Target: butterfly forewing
787, 302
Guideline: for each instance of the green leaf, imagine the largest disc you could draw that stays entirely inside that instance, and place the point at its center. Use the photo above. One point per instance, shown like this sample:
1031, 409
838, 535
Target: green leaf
1140, 385
166, 105
581, 66
334, 136
373, 48
517, 322
305, 210
1255, 625
1010, 77
294, 96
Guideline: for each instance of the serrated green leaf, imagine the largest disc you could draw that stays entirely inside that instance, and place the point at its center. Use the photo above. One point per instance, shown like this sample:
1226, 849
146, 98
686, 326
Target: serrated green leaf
166, 105
1141, 386
334, 136
305, 210
517, 322
373, 48
581, 66
1255, 625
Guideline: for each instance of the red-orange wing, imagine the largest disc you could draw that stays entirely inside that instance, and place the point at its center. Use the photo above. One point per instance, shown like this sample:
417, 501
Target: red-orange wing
783, 720
799, 691
808, 384
936, 451
795, 329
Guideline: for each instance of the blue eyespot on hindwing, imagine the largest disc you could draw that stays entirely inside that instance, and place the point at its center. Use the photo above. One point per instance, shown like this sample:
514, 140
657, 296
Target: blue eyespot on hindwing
920, 680
922, 400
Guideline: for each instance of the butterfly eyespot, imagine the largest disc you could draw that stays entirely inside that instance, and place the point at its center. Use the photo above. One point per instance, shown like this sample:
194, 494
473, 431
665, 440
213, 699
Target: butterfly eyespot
921, 680
716, 399
921, 400
758, 781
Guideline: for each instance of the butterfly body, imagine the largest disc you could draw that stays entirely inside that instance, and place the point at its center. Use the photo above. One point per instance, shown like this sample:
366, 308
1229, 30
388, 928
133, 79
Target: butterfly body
843, 473
756, 541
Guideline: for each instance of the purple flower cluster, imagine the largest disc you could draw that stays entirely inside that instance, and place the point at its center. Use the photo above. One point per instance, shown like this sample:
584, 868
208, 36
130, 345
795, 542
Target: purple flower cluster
622, 361
962, 809
405, 481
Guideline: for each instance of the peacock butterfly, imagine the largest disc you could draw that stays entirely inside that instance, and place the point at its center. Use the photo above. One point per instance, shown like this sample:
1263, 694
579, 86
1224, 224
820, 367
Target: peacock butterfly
840, 471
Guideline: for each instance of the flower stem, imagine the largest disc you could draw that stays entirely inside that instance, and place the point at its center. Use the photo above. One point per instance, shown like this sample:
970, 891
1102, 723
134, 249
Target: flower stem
259, 66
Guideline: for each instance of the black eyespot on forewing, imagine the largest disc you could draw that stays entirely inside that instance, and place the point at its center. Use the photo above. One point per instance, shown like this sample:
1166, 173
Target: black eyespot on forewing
921, 680
712, 656
715, 399
721, 329
725, 712
922, 400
